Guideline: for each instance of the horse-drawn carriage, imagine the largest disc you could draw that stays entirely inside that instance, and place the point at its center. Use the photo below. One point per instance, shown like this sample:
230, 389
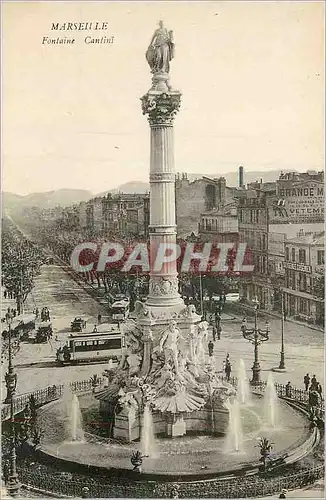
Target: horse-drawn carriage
44, 332
78, 324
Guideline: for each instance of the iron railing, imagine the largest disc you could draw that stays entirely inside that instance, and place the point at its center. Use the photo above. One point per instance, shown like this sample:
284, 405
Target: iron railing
51, 393
43, 396
244, 487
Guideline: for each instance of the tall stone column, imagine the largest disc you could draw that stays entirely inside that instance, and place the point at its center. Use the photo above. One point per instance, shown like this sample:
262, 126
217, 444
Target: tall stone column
161, 104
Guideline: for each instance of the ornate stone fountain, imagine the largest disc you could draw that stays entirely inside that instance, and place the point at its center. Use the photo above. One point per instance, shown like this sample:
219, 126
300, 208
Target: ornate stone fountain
165, 344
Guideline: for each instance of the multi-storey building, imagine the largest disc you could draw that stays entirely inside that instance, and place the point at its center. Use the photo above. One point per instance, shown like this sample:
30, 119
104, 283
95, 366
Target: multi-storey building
194, 198
304, 265
119, 213
220, 224
126, 213
268, 216
253, 230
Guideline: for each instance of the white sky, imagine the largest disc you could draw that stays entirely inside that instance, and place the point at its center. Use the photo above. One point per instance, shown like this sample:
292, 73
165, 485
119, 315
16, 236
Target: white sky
251, 74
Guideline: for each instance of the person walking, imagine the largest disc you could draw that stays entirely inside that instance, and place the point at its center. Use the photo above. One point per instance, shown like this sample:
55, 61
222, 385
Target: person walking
214, 333
99, 318
210, 348
306, 381
288, 390
314, 382
219, 333
228, 370
319, 389
5, 294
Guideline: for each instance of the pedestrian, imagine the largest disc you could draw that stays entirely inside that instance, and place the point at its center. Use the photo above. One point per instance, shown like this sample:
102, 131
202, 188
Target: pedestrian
219, 329
228, 370
37, 312
210, 348
5, 294
95, 329
85, 492
314, 382
99, 318
14, 312
214, 333
319, 389
283, 494
288, 389
306, 381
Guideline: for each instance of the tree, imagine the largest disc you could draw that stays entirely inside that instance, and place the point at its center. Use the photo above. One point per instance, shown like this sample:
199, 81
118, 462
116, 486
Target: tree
21, 262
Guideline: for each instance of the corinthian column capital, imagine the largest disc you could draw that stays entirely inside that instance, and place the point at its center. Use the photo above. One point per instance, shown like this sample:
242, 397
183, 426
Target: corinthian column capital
161, 107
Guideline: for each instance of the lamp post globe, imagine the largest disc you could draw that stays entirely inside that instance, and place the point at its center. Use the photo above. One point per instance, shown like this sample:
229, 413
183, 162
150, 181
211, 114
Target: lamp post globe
256, 336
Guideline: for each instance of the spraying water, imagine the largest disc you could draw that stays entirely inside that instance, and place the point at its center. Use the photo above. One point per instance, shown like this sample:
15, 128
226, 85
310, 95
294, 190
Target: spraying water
271, 403
147, 442
234, 437
73, 420
243, 389
77, 433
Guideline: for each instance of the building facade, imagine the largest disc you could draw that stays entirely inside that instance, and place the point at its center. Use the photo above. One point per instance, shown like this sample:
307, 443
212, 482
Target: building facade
219, 225
304, 266
253, 230
196, 197
270, 218
118, 213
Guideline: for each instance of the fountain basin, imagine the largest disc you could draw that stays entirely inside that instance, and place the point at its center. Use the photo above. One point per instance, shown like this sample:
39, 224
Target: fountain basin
181, 458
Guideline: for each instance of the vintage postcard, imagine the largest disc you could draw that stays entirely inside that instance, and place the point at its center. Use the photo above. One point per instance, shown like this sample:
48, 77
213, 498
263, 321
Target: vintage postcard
162, 249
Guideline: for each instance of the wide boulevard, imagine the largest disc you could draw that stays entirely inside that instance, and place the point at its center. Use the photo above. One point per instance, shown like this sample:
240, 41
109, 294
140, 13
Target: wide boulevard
55, 289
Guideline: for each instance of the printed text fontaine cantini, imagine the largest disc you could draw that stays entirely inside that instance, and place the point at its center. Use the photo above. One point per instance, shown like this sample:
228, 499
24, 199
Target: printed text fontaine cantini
96, 33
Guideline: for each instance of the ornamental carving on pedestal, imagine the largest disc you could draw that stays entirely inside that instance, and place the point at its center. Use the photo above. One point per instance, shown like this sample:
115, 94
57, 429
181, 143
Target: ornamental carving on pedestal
161, 108
163, 286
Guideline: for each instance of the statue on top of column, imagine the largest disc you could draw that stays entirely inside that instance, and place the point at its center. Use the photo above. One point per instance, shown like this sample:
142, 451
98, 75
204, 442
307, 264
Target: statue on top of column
160, 50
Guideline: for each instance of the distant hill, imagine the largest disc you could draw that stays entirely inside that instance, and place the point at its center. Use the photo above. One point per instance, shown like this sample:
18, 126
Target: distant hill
136, 187
49, 199
66, 197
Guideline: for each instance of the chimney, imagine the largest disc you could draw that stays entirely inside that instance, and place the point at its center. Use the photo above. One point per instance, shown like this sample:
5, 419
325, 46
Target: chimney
241, 177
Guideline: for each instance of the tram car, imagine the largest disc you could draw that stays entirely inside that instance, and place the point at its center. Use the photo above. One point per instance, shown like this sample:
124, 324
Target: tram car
91, 347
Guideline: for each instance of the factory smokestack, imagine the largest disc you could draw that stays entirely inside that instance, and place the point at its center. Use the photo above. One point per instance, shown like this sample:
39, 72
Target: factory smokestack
241, 177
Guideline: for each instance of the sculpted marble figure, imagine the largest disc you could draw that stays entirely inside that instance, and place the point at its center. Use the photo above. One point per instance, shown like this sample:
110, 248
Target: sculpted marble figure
202, 333
169, 344
160, 50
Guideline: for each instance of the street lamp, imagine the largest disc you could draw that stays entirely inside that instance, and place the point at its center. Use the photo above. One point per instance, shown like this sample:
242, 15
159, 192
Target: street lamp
13, 484
256, 336
282, 360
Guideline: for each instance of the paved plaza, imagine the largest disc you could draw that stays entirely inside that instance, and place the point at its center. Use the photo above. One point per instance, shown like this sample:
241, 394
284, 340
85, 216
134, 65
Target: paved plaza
66, 299
54, 288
